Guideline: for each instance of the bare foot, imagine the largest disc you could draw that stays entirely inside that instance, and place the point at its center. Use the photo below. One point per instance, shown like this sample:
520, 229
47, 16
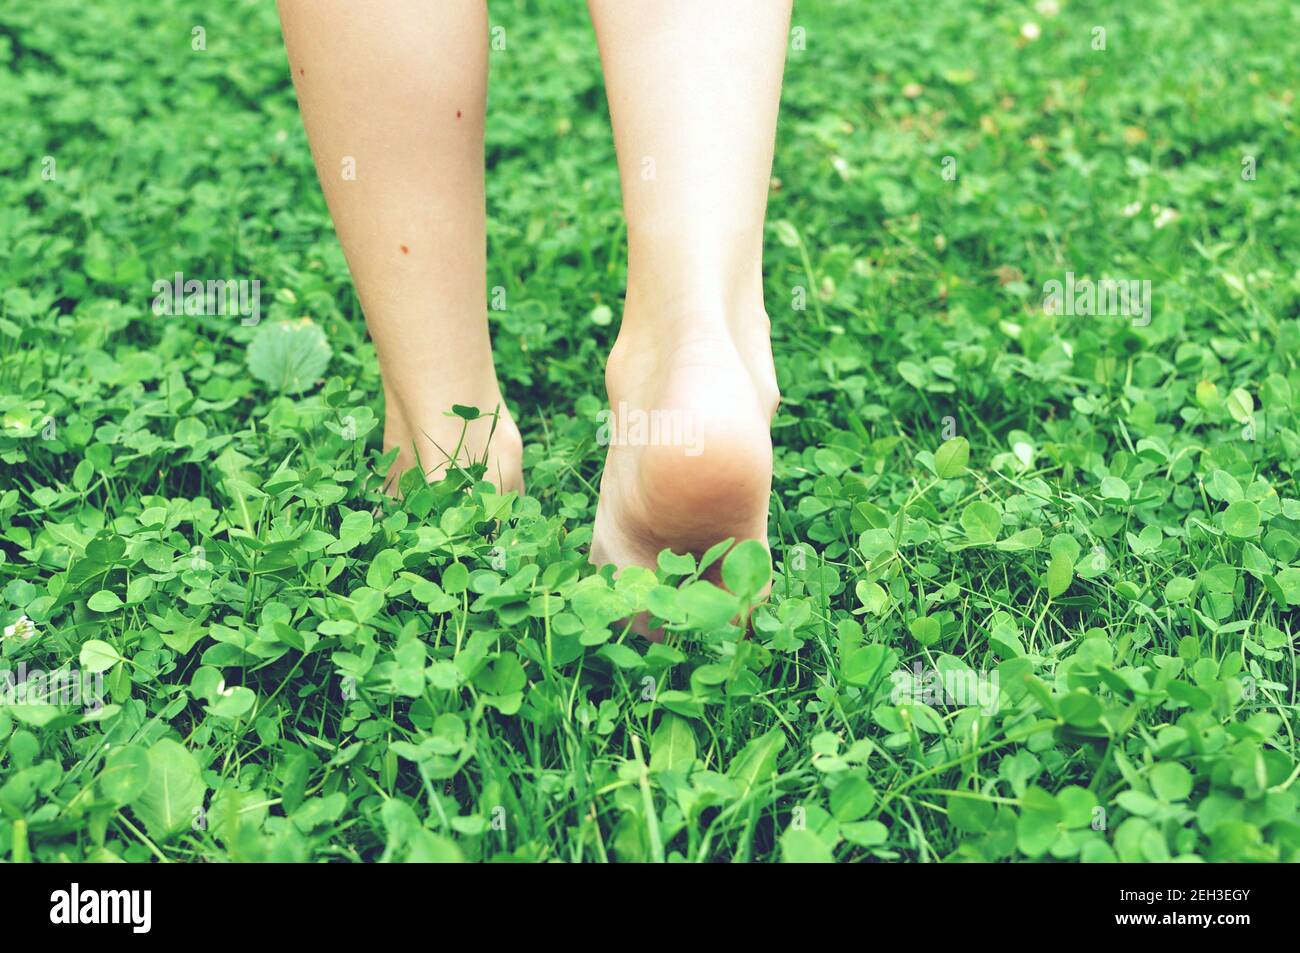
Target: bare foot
690, 449
442, 439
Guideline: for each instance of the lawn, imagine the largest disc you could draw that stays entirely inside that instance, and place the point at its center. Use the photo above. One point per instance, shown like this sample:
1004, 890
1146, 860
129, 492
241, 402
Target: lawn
1035, 552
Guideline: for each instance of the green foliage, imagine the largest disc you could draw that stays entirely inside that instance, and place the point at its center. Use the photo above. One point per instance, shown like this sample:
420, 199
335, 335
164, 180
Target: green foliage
1033, 574
289, 356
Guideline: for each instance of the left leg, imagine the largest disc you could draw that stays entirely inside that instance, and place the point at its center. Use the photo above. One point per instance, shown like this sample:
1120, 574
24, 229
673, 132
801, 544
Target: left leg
395, 92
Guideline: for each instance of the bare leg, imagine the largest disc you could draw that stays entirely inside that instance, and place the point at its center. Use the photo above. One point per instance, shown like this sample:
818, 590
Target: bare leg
393, 95
693, 89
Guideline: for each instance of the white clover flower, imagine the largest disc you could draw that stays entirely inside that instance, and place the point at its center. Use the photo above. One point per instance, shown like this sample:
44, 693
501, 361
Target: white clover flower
1132, 209
23, 629
1030, 30
1165, 216
1048, 8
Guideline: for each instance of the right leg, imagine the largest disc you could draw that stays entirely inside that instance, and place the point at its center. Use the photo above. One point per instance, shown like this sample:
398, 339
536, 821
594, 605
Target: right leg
693, 90
393, 95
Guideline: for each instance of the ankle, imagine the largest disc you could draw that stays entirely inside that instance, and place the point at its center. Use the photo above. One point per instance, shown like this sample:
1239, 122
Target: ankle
653, 338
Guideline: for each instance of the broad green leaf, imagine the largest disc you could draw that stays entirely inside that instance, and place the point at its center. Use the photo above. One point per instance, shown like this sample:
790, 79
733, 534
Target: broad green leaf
676, 564
1171, 781
970, 814
1030, 538
1076, 805
1179, 588
865, 833
873, 598
125, 775
802, 846
672, 746
1241, 520
105, 601
233, 702
1113, 488
139, 589
951, 458
851, 799
925, 630
981, 521
1080, 709
862, 665
98, 656
621, 655
289, 356
747, 569
174, 797
1060, 572
756, 762
1241, 405
1036, 830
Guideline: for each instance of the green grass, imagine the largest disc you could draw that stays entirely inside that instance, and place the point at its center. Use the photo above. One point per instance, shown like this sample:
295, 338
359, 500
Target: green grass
1086, 527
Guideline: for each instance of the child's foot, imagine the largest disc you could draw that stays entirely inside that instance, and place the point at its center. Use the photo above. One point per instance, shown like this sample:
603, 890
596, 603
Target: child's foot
690, 450
433, 445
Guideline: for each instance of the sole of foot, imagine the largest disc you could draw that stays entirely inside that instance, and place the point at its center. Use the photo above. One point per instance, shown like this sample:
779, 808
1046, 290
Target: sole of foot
689, 462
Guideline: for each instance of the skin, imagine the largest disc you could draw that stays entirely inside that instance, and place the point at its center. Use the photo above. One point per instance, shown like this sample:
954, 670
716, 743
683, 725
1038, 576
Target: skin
693, 87
695, 157
402, 92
